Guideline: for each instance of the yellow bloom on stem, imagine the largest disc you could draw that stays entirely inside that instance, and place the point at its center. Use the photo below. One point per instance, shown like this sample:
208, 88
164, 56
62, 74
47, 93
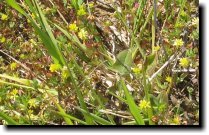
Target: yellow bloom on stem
137, 69
3, 39
168, 79
54, 67
144, 105
184, 62
178, 42
82, 34
13, 65
4, 17
81, 11
73, 27
65, 73
156, 48
177, 120
32, 102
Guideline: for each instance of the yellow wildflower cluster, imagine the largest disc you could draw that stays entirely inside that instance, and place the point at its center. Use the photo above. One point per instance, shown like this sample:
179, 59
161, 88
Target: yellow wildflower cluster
137, 69
54, 67
13, 65
177, 120
144, 105
2, 40
73, 27
81, 11
168, 79
4, 17
178, 42
184, 62
65, 73
91, 5
32, 102
13, 94
82, 34
156, 48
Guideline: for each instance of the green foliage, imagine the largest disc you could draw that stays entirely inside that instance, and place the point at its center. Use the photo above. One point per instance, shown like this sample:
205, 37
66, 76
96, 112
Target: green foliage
62, 63
123, 62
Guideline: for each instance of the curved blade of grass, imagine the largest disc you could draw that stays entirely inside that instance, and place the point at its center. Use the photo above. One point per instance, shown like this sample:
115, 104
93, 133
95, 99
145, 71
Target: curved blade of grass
15, 5
62, 111
95, 117
16, 79
132, 106
50, 34
8, 119
71, 117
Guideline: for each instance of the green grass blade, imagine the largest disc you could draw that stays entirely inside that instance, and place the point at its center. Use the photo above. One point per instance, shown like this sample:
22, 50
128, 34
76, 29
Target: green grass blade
15, 5
95, 117
62, 111
8, 119
71, 117
50, 34
132, 106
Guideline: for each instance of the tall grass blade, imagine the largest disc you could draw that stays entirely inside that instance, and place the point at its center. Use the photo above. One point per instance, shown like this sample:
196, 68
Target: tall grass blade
132, 106
8, 119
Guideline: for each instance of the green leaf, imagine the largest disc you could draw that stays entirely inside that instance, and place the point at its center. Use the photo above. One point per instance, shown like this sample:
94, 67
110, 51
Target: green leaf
123, 62
148, 61
8, 119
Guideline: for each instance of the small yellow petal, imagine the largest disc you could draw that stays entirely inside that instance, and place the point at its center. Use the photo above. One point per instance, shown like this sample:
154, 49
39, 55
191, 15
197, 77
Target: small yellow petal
168, 79
178, 42
4, 17
73, 27
54, 67
82, 34
184, 62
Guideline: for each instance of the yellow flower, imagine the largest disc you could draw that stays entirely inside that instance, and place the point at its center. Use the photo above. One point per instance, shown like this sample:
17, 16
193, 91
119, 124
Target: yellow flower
81, 11
178, 42
33, 16
137, 69
14, 91
168, 79
3, 39
73, 27
156, 48
82, 34
91, 5
4, 17
195, 21
176, 120
144, 105
13, 65
13, 94
54, 67
184, 62
32, 102
65, 73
